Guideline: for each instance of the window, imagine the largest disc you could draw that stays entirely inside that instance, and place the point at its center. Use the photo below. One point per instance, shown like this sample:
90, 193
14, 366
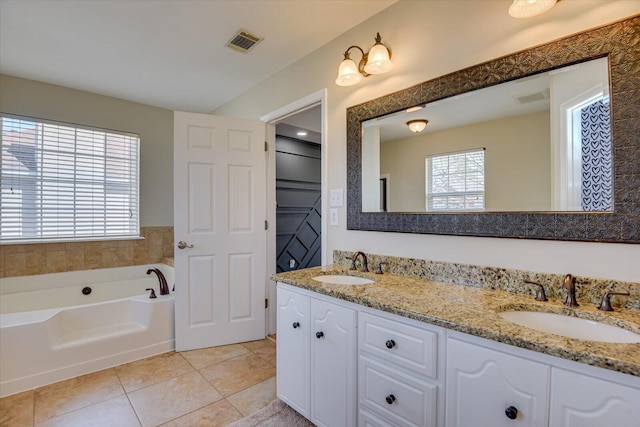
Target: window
66, 182
455, 181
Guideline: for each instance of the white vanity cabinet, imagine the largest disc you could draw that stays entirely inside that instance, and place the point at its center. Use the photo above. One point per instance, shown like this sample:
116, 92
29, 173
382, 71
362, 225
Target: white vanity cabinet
579, 400
491, 388
316, 363
399, 372
485, 378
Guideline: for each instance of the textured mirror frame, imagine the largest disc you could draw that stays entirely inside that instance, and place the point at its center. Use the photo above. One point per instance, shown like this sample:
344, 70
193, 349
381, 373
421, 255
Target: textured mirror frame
619, 43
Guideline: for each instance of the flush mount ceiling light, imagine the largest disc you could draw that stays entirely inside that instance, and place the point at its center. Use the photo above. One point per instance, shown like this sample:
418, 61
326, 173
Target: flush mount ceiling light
417, 126
376, 61
529, 8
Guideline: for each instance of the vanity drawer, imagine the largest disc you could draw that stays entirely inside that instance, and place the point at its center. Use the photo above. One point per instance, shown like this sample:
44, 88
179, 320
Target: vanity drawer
403, 399
400, 344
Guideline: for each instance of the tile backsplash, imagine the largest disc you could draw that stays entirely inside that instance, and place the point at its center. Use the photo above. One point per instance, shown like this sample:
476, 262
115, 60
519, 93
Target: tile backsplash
589, 290
41, 258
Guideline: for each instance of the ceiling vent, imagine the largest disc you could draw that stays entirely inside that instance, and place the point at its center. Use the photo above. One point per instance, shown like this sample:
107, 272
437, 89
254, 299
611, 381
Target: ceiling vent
532, 97
243, 41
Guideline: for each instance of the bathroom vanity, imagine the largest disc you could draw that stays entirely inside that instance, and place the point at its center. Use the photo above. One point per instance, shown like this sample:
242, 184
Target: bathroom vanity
405, 351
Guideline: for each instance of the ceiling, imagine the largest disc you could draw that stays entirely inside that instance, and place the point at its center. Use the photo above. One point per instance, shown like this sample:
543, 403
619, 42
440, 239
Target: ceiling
166, 53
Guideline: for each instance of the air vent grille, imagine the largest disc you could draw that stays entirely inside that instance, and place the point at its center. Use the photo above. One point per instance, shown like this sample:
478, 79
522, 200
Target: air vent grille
243, 41
532, 97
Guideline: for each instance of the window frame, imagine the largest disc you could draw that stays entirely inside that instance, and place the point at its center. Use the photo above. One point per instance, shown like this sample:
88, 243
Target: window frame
429, 195
76, 228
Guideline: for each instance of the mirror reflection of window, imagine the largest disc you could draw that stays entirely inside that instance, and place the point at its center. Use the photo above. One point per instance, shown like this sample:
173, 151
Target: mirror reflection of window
455, 181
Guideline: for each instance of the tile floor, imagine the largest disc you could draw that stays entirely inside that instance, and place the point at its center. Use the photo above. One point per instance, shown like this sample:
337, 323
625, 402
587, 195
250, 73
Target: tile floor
208, 387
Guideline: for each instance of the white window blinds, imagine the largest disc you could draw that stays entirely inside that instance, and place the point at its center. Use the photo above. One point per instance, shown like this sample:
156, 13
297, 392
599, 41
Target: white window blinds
65, 182
455, 181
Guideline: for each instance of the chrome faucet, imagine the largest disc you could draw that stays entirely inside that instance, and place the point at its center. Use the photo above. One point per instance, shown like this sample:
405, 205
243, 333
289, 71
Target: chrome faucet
164, 287
365, 266
569, 285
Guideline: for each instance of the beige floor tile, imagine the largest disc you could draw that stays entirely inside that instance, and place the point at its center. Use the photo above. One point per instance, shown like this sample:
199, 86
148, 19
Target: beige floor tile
173, 398
239, 373
152, 370
265, 348
113, 412
66, 396
254, 398
17, 410
217, 414
212, 355
259, 344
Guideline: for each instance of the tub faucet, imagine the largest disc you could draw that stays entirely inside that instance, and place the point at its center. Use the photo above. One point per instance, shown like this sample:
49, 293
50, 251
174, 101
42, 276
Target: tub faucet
164, 288
365, 266
569, 285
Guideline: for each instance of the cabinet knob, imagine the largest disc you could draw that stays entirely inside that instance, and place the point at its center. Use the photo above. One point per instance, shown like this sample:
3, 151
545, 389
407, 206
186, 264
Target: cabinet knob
390, 399
511, 412
390, 344
296, 325
319, 334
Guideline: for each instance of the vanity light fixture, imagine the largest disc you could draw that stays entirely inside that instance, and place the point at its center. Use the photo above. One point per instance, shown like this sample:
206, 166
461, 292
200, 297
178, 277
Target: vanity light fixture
376, 61
301, 133
418, 125
530, 8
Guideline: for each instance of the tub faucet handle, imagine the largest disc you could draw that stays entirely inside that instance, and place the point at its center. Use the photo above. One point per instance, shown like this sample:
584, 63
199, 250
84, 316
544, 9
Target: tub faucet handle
153, 292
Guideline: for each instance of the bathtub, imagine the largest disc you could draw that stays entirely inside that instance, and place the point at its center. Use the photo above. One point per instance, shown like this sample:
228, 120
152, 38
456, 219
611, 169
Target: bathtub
51, 331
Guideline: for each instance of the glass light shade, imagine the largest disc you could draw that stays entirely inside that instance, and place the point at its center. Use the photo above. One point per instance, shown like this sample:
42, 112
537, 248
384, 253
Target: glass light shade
378, 61
417, 126
348, 73
529, 8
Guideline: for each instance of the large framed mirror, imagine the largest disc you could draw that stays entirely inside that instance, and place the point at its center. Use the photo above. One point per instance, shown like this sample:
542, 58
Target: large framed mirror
540, 144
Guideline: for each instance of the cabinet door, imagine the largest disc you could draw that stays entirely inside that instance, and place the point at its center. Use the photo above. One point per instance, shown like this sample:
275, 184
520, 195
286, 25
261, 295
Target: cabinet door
483, 383
294, 331
333, 365
582, 401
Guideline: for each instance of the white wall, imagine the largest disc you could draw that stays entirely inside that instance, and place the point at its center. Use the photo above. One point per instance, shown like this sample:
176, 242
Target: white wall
430, 38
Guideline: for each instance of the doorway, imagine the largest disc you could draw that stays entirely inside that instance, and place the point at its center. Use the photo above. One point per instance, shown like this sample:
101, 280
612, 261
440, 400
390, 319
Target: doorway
307, 113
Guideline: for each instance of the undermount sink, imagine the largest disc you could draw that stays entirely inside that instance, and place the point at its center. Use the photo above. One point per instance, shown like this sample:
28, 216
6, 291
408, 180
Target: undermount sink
571, 327
341, 279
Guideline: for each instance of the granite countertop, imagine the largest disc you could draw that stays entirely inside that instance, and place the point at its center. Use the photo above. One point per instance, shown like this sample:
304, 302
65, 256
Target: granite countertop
474, 310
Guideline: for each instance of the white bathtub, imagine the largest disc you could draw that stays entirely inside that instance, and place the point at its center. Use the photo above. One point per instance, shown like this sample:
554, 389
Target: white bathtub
50, 331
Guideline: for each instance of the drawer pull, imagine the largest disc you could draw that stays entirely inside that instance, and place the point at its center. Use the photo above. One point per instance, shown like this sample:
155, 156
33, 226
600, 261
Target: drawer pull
511, 412
319, 334
296, 325
390, 344
390, 399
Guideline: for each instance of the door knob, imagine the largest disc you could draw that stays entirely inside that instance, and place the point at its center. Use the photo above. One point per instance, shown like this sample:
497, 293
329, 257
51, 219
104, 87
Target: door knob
390, 344
296, 325
319, 334
182, 245
390, 399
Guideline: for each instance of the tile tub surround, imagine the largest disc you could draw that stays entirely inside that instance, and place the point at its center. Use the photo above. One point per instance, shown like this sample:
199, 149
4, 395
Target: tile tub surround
42, 258
474, 310
589, 290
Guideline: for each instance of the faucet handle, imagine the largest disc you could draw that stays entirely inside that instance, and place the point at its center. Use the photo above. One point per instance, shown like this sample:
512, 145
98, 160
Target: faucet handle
379, 268
153, 292
605, 304
540, 295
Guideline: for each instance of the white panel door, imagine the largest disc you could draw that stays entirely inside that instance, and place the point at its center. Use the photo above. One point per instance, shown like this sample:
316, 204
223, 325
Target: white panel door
583, 401
219, 214
490, 388
294, 338
333, 365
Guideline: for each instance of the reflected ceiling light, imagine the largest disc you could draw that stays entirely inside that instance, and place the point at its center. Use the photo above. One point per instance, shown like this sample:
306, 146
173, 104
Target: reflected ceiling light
415, 108
417, 126
529, 8
376, 61
301, 133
